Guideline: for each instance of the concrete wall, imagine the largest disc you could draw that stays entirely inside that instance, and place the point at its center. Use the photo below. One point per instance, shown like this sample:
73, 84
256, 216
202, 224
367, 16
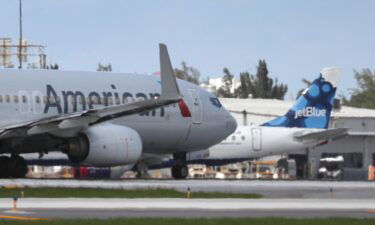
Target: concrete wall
356, 124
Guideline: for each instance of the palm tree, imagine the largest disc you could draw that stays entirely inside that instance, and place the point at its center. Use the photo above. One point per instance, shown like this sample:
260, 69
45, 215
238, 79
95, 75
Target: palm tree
307, 83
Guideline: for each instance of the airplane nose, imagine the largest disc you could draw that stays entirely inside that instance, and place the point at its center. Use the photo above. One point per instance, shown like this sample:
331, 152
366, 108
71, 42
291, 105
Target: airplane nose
231, 124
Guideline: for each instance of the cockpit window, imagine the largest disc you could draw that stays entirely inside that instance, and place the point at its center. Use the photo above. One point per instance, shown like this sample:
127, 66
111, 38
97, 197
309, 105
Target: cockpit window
215, 102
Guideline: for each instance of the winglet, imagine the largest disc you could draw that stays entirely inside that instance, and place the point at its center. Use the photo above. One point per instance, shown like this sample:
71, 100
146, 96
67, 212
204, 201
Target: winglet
169, 87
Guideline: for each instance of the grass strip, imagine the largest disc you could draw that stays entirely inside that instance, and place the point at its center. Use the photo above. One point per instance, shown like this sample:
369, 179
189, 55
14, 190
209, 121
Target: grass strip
224, 221
112, 193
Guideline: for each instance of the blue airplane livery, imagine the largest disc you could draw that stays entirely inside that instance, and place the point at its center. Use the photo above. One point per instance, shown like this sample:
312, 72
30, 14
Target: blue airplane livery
312, 109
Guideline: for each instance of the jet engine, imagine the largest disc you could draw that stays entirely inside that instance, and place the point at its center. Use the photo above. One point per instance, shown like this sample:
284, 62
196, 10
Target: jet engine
105, 145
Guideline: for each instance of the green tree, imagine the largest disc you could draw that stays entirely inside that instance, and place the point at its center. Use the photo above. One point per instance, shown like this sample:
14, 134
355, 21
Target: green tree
104, 68
364, 96
260, 85
225, 90
307, 83
188, 73
246, 87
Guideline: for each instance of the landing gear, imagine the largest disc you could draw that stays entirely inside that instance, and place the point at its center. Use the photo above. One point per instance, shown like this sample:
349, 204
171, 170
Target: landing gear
17, 167
4, 166
14, 167
180, 169
142, 171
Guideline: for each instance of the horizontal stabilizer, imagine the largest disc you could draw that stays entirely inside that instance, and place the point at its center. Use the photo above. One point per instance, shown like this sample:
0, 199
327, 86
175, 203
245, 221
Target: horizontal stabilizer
323, 135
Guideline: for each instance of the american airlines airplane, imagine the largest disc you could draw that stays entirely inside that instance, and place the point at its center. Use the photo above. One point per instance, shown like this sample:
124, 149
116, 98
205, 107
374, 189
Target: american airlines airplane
106, 119
304, 125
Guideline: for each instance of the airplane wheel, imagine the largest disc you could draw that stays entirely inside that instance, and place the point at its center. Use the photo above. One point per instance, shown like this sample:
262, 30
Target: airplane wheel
174, 172
4, 166
17, 167
184, 172
180, 171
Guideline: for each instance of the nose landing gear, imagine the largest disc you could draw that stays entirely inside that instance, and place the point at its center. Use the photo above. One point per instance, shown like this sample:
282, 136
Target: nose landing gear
4, 166
13, 167
179, 169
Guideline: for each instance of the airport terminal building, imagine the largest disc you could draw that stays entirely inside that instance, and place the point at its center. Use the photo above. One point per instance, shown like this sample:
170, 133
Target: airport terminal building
353, 154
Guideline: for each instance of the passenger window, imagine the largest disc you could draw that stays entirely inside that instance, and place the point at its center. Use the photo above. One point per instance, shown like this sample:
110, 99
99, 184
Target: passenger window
37, 99
96, 100
15, 99
51, 99
1, 98
110, 101
93, 100
80, 100
243, 138
7, 98
24, 99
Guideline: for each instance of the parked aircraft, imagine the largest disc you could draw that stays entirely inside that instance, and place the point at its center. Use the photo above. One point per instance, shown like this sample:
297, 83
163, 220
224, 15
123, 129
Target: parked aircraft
304, 125
106, 119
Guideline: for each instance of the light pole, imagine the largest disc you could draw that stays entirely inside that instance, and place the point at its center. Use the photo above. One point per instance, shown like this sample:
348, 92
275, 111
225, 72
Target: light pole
20, 47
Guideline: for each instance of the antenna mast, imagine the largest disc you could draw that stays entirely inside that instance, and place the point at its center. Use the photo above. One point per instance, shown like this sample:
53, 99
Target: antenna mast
20, 47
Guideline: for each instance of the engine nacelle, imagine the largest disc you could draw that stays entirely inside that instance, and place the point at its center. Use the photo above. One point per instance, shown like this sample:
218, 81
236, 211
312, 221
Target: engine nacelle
106, 145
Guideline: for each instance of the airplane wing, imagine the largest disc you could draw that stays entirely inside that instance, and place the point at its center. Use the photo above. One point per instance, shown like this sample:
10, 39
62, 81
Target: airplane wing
324, 135
170, 94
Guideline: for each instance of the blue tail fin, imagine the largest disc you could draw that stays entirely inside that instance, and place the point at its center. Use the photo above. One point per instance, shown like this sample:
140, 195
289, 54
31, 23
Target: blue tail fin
313, 108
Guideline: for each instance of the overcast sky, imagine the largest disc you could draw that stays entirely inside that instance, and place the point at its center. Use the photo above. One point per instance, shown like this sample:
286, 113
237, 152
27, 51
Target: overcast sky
296, 38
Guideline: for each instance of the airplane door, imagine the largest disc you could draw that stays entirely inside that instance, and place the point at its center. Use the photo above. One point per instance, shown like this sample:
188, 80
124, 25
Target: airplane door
257, 139
197, 107
194, 134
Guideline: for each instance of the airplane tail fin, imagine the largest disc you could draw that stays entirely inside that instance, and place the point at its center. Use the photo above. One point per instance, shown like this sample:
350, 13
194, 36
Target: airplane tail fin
169, 89
313, 108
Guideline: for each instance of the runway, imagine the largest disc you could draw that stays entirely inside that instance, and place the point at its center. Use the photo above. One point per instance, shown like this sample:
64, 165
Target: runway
107, 214
68, 208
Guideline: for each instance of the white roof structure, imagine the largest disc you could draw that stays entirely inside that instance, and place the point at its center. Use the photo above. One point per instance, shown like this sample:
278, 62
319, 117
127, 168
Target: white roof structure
216, 83
262, 110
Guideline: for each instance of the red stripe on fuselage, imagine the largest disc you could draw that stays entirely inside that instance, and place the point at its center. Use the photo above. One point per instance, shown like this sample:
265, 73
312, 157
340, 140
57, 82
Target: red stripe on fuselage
185, 112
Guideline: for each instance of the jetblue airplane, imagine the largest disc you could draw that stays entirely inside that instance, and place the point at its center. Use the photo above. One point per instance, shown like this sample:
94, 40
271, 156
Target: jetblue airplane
304, 125
105, 119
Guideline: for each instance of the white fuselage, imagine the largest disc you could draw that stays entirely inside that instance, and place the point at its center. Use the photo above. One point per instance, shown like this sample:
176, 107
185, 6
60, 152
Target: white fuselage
260, 141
